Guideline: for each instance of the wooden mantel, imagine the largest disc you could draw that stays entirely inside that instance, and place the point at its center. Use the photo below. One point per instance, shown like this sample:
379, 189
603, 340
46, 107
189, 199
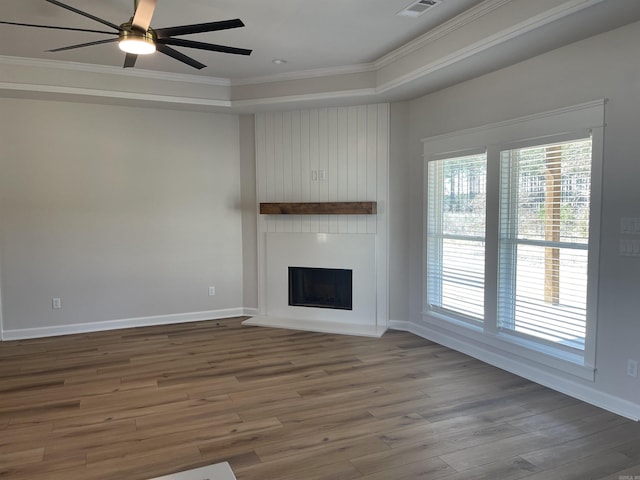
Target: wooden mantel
319, 208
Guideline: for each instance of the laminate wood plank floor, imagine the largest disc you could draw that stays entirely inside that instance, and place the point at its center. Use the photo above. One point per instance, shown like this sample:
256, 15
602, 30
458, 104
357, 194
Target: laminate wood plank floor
286, 405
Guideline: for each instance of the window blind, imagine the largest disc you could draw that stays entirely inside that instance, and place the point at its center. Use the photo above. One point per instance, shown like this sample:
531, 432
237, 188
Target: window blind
456, 234
544, 241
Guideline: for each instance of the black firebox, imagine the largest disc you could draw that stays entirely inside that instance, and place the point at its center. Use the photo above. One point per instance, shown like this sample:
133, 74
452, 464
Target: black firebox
320, 287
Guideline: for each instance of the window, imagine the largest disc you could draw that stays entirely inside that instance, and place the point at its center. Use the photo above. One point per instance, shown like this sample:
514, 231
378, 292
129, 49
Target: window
511, 244
544, 241
457, 204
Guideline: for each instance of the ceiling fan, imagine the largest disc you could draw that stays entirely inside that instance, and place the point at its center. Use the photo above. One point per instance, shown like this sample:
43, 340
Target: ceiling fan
136, 37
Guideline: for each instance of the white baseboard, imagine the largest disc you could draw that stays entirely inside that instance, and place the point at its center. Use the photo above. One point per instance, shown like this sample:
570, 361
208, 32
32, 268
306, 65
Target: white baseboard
1, 322
531, 372
399, 325
53, 331
250, 312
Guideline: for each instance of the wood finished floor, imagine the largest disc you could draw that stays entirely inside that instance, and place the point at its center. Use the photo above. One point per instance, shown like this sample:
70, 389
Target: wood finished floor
286, 405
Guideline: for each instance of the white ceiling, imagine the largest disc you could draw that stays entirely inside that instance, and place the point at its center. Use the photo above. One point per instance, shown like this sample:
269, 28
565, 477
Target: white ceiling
337, 51
307, 34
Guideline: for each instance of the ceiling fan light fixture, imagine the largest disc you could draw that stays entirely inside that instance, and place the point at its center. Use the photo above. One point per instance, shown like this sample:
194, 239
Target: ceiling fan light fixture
137, 43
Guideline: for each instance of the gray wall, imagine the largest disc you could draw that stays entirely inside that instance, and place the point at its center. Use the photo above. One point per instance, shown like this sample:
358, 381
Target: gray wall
249, 212
605, 66
122, 212
399, 210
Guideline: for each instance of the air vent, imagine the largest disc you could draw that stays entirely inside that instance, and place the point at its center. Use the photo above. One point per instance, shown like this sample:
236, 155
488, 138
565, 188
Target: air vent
418, 8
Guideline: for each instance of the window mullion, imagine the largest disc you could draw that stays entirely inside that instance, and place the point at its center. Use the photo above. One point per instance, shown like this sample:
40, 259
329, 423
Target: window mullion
508, 247
491, 240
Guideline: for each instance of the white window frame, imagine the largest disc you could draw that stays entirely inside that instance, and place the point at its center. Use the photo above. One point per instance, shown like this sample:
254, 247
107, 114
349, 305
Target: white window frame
579, 121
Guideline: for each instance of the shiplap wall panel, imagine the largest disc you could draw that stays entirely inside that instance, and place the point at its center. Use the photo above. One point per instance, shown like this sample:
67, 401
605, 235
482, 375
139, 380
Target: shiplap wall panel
323, 140
349, 143
305, 168
314, 133
361, 165
341, 169
352, 163
287, 167
296, 164
372, 152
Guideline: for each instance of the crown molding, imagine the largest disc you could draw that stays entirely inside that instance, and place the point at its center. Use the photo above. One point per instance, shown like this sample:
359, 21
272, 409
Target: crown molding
487, 43
310, 97
306, 74
103, 69
466, 17
111, 94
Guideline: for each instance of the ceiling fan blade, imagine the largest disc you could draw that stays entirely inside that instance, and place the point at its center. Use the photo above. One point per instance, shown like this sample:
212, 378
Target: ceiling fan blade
130, 60
58, 28
84, 14
71, 47
143, 15
198, 28
178, 42
179, 56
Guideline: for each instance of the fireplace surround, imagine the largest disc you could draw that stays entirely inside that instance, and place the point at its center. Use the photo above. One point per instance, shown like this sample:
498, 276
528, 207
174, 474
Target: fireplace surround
322, 186
334, 252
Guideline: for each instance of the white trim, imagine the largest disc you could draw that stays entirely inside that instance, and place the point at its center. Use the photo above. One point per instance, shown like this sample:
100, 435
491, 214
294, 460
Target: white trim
187, 101
250, 312
531, 371
306, 74
585, 115
39, 332
313, 97
513, 345
595, 233
90, 92
107, 70
400, 325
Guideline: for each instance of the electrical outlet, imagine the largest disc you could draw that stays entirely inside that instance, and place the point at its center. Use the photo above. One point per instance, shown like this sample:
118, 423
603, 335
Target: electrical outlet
212, 291
56, 303
632, 368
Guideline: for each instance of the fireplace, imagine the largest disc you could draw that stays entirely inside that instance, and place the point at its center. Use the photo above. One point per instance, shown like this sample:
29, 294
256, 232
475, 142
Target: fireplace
321, 282
320, 287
